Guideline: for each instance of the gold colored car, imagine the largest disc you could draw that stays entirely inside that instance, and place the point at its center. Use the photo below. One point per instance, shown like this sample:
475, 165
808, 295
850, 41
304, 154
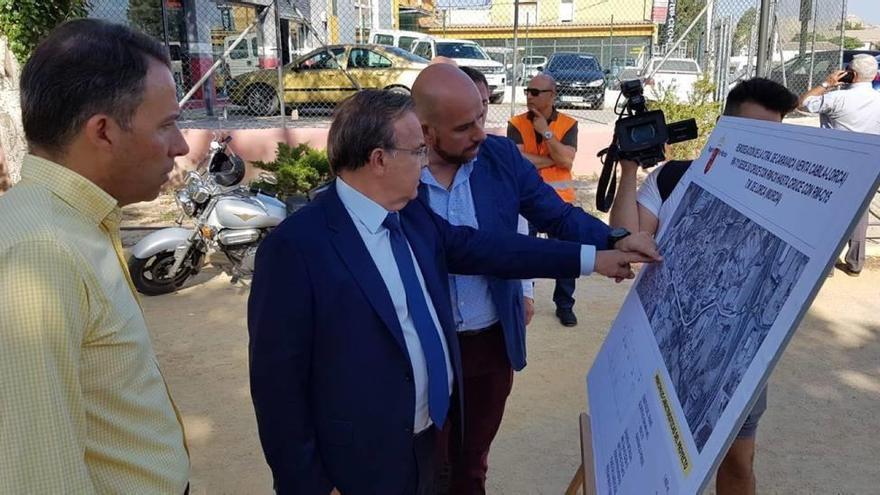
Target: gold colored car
327, 76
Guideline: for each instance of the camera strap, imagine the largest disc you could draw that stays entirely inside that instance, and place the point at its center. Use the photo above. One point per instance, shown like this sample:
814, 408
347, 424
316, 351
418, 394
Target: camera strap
607, 186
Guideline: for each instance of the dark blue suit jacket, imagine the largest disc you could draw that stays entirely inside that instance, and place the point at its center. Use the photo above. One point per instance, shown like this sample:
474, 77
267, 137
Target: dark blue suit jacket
505, 184
331, 379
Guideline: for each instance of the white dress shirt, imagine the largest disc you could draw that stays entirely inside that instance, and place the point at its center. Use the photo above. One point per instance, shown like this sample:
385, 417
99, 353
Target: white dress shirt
856, 109
368, 216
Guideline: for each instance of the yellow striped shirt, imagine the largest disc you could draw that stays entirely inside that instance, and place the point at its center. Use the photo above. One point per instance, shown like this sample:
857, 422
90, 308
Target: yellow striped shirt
83, 405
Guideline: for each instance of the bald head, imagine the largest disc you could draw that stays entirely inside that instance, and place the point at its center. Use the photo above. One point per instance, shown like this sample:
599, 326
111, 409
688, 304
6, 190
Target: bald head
440, 87
541, 94
450, 109
440, 59
543, 81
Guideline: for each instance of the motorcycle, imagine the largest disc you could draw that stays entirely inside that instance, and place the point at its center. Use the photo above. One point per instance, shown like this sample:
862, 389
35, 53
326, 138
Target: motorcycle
227, 217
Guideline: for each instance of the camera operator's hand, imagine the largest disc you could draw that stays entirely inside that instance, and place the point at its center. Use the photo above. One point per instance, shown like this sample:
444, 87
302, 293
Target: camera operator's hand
640, 243
834, 78
616, 264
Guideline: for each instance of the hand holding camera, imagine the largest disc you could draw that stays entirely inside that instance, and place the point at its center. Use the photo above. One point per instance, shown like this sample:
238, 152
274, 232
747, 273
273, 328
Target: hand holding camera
839, 77
640, 136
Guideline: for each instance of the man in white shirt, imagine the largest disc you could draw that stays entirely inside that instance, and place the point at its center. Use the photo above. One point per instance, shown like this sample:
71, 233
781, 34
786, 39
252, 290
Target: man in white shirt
855, 109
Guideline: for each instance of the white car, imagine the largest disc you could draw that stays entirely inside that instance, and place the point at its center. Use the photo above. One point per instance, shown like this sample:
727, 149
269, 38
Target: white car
466, 54
395, 37
531, 66
677, 75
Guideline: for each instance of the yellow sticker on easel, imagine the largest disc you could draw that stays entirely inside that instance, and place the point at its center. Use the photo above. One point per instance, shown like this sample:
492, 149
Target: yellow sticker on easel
674, 429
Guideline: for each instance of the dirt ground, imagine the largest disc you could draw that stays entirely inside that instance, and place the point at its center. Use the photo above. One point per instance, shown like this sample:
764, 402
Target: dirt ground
819, 435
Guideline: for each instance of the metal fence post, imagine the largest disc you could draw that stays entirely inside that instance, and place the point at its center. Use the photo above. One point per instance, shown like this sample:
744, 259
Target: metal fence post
842, 29
813, 43
280, 64
761, 69
515, 65
165, 25
709, 44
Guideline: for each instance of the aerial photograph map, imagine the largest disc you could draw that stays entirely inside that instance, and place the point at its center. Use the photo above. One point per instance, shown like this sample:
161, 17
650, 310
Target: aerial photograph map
712, 301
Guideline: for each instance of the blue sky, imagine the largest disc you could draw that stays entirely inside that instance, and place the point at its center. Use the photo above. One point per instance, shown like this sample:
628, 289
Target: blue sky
868, 10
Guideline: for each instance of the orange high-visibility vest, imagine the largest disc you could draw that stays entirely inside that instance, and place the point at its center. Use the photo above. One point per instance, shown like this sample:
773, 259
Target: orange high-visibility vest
556, 176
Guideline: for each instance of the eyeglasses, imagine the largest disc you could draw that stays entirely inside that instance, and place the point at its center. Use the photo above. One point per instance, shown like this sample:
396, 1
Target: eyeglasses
535, 91
421, 153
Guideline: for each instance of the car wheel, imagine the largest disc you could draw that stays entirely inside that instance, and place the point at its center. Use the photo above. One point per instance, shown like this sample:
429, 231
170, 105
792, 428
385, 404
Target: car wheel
599, 105
262, 100
401, 90
496, 98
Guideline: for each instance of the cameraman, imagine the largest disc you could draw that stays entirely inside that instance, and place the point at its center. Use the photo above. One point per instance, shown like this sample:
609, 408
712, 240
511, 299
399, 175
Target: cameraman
855, 109
647, 209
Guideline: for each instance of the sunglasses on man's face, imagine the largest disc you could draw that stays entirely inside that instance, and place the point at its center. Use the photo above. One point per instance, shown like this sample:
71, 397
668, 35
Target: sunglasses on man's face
535, 91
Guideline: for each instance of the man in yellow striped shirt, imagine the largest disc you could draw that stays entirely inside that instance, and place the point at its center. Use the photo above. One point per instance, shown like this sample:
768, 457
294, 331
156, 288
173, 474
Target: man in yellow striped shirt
83, 406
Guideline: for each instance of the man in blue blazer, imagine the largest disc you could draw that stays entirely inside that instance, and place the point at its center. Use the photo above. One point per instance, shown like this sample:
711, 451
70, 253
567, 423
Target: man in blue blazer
484, 182
353, 355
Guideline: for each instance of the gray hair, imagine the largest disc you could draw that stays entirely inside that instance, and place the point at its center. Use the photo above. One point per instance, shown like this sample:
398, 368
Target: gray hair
362, 123
865, 66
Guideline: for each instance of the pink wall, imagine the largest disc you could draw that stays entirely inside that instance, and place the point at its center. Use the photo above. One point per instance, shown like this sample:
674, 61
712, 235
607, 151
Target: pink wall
261, 144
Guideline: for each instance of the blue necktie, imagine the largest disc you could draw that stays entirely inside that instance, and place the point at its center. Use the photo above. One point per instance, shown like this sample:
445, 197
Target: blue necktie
435, 358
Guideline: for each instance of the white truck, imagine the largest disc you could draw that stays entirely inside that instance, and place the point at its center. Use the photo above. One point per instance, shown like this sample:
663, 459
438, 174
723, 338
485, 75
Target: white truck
245, 57
466, 54
676, 74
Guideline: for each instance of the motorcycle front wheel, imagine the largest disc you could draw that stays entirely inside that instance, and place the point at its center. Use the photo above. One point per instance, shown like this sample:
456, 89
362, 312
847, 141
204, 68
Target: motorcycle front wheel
150, 275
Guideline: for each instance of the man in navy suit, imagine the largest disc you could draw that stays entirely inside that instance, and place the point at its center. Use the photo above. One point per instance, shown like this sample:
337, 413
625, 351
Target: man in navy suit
353, 355
484, 182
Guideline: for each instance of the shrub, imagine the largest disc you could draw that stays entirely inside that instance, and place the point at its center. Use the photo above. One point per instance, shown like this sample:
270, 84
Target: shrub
298, 169
700, 106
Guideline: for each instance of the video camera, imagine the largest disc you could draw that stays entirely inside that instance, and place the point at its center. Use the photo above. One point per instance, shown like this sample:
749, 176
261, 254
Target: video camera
639, 135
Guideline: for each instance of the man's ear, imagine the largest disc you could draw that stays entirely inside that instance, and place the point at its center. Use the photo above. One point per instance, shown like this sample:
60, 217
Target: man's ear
376, 162
101, 131
429, 134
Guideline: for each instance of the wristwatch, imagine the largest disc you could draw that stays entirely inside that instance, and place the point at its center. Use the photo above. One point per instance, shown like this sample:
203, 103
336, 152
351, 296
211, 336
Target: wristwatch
616, 235
548, 135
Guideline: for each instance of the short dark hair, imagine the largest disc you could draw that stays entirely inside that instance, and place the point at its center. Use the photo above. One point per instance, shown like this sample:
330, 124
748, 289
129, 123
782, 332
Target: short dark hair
476, 76
82, 68
769, 94
362, 123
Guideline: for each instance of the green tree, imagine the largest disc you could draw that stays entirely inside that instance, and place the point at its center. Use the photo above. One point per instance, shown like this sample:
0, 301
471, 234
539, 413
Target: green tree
685, 12
851, 43
742, 35
146, 15
26, 22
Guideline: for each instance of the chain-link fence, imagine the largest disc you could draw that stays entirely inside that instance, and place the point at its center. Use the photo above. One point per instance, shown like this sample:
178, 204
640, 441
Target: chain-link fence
271, 63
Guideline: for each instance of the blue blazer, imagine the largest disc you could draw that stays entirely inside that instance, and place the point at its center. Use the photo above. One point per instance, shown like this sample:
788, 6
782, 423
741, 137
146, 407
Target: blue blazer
503, 185
331, 379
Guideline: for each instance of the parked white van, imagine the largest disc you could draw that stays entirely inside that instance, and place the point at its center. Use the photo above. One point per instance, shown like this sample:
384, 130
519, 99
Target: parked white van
466, 54
394, 37
245, 57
